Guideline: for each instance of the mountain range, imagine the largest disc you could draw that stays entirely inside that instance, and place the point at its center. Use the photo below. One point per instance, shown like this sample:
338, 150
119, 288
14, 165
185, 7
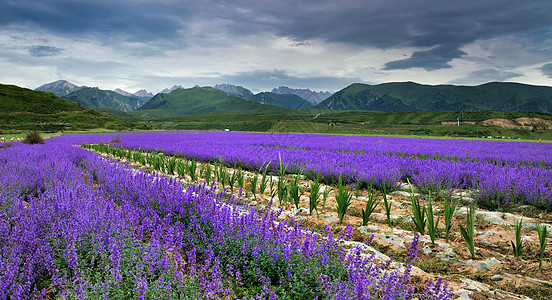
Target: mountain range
199, 100
289, 100
307, 94
141, 93
385, 97
410, 96
94, 98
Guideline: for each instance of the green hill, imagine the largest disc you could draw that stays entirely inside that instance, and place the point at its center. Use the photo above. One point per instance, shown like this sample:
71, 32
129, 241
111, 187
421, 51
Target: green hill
200, 100
429, 123
116, 114
24, 109
410, 96
283, 100
94, 97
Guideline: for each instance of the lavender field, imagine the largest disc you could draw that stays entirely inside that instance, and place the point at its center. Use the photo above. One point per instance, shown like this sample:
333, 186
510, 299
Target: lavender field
77, 226
499, 173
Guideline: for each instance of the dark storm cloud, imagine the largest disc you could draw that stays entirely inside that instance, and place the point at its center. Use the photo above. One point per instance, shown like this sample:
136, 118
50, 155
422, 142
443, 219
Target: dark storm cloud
435, 31
39, 51
127, 20
442, 27
433, 59
547, 70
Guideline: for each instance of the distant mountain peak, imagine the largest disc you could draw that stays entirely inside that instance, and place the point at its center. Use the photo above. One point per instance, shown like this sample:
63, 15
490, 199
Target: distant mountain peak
121, 92
59, 88
307, 94
235, 90
140, 93
283, 100
143, 93
168, 90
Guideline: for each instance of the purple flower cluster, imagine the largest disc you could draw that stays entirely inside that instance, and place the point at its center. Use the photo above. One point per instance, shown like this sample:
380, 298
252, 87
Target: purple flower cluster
74, 225
501, 172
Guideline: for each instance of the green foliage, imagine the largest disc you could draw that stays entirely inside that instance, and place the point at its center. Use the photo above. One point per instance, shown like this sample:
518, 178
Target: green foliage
418, 212
468, 233
253, 185
541, 231
181, 168
371, 205
207, 173
325, 194
518, 246
282, 170
262, 185
192, 169
239, 178
450, 207
432, 225
314, 196
387, 205
170, 165
282, 186
282, 190
343, 199
293, 190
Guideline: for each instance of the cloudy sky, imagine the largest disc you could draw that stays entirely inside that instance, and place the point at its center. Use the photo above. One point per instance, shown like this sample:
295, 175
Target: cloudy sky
260, 44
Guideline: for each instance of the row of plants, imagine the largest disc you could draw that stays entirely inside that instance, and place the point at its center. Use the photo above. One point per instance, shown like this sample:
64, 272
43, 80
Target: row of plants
287, 190
496, 186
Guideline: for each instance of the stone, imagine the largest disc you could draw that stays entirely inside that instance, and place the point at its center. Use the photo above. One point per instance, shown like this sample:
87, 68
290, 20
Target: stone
463, 294
368, 229
484, 265
404, 194
391, 239
488, 233
331, 220
492, 217
427, 250
496, 277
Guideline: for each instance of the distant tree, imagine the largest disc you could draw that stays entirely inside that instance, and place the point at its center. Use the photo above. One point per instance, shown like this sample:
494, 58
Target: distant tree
33, 138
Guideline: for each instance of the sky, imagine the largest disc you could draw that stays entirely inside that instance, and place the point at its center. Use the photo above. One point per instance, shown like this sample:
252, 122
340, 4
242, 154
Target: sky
261, 44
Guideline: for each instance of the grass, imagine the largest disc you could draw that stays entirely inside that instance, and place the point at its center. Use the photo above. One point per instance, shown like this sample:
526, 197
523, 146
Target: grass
409, 124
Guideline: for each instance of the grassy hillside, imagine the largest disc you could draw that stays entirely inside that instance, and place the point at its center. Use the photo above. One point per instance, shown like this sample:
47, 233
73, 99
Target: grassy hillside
96, 98
410, 96
14, 99
357, 122
284, 100
116, 114
23, 110
200, 100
